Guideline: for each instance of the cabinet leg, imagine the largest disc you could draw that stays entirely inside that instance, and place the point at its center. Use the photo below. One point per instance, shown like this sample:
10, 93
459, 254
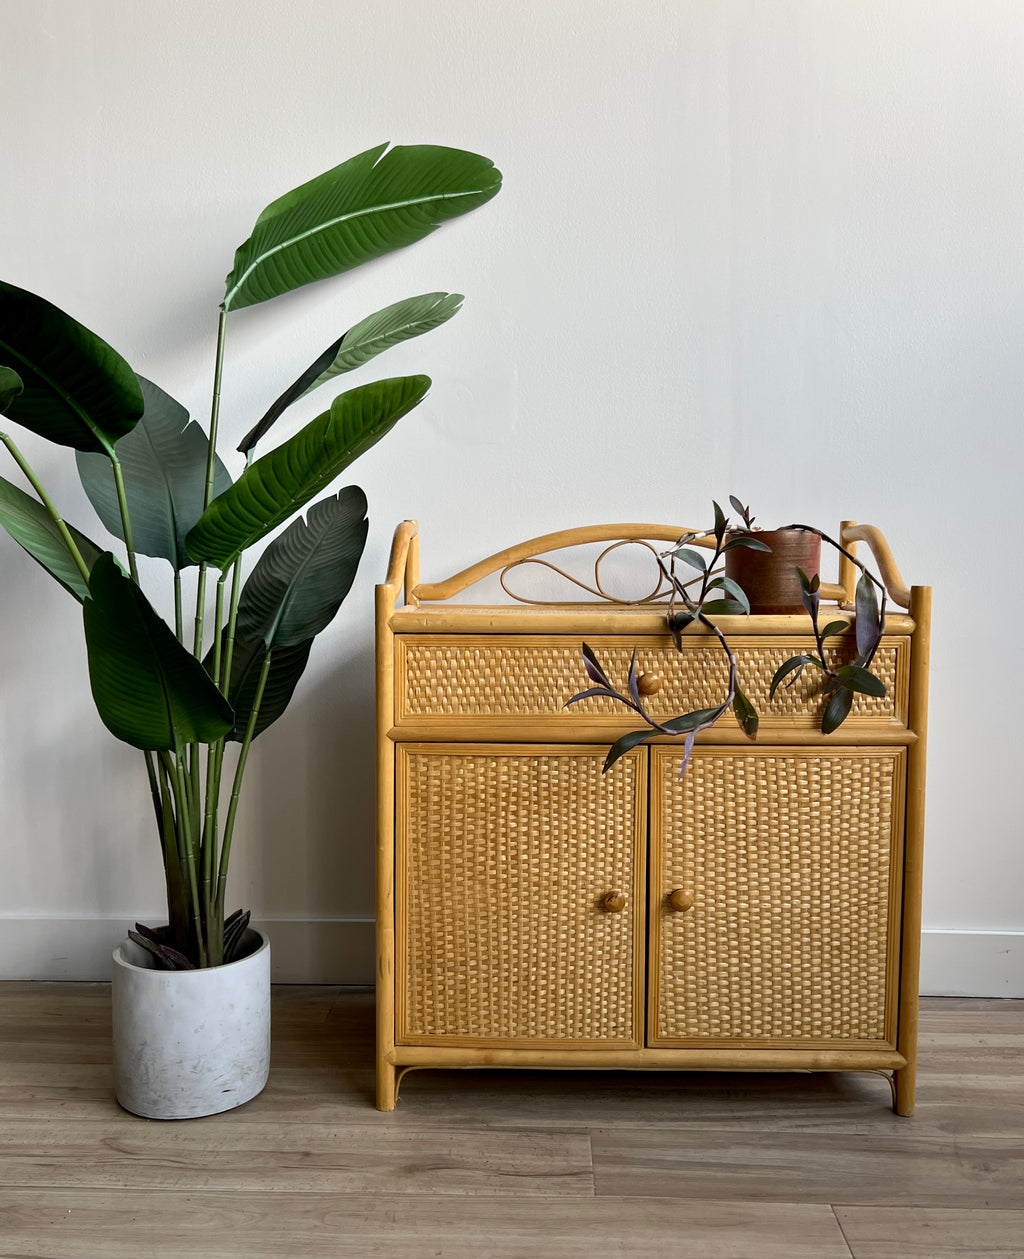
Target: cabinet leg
387, 1086
905, 1079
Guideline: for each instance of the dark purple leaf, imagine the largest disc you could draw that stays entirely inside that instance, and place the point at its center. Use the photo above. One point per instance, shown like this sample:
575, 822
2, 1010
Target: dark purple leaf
625, 744
855, 678
594, 670
634, 690
745, 713
869, 629
603, 691
836, 710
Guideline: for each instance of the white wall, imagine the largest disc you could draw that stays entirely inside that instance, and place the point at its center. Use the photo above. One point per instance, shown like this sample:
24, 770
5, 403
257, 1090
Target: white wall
764, 248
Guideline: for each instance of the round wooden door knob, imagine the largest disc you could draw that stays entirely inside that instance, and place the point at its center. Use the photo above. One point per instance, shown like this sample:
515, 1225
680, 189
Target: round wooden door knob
680, 900
648, 683
614, 902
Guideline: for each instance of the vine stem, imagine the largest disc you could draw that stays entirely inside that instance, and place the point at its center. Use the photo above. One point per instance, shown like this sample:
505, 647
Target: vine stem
867, 573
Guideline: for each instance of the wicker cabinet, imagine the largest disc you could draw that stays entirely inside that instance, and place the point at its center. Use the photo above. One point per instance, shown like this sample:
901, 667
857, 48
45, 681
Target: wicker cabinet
762, 911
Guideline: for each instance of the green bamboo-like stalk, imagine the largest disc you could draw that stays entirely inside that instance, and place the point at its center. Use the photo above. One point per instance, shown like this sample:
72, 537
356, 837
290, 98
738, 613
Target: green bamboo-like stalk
126, 522
174, 771
211, 471
179, 628
236, 786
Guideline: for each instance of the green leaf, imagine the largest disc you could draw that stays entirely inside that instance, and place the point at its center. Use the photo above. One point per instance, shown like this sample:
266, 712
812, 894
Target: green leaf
836, 710
299, 583
283, 481
733, 589
745, 713
77, 390
720, 523
699, 719
398, 322
32, 527
286, 667
794, 665
163, 461
835, 627
724, 607
677, 623
150, 691
625, 744
745, 540
364, 341
11, 385
694, 558
855, 678
366, 207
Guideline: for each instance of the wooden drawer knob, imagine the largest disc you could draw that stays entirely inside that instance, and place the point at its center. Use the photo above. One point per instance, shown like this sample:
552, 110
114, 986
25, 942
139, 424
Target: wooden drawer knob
613, 902
680, 900
648, 683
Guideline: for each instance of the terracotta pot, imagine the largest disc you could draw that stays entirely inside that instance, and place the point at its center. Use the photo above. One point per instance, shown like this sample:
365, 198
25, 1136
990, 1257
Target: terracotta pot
769, 580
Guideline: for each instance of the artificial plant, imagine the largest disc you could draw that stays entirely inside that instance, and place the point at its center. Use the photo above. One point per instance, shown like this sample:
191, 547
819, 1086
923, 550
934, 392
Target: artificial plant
719, 595
182, 693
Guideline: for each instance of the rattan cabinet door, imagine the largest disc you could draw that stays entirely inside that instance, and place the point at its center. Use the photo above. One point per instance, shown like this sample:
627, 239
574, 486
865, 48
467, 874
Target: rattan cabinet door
786, 869
520, 896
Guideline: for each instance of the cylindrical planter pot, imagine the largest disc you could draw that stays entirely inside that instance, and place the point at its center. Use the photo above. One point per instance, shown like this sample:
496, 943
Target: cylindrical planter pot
190, 1042
770, 581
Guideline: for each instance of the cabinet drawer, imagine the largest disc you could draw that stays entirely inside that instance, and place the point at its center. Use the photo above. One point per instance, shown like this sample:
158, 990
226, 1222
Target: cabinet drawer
504, 855
477, 684
792, 860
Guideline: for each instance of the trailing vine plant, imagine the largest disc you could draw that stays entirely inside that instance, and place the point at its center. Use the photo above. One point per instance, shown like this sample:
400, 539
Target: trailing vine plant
708, 593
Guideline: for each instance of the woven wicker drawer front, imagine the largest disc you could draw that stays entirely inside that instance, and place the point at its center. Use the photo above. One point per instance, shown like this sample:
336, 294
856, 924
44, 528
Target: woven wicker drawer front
504, 855
445, 678
792, 860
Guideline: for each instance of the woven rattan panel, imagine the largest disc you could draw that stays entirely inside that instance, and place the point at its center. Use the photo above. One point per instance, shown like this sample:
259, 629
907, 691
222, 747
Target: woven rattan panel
504, 856
792, 861
455, 676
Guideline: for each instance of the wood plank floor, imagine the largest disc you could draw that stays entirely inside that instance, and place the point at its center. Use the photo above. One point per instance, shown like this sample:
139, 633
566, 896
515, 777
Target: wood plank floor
497, 1165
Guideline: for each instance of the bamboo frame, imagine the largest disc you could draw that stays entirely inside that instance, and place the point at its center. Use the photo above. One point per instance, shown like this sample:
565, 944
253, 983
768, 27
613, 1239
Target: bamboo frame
424, 616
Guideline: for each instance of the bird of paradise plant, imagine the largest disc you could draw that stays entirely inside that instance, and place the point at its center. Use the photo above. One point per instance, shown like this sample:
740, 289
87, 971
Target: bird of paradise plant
181, 694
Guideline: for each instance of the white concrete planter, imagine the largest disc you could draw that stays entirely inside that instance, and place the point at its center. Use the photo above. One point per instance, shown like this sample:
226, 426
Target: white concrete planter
190, 1043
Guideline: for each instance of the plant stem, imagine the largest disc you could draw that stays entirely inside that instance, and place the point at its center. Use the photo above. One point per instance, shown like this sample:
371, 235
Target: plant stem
122, 504
236, 786
179, 628
211, 470
48, 503
186, 852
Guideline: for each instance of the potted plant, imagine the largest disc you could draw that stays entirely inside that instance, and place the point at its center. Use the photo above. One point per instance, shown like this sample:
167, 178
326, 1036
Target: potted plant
183, 693
720, 593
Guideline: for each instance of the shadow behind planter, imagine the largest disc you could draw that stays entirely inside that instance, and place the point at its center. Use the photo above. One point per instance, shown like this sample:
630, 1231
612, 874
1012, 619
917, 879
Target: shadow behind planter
193, 1042
769, 580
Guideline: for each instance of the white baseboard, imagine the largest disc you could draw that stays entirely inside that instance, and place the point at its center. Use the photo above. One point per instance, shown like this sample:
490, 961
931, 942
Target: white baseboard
972, 963
318, 951
341, 951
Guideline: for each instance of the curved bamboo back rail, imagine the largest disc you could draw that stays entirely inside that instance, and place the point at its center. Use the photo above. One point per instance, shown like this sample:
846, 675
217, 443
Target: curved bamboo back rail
403, 567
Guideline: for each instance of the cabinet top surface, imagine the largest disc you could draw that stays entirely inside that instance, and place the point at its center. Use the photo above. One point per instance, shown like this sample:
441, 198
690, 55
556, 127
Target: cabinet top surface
596, 618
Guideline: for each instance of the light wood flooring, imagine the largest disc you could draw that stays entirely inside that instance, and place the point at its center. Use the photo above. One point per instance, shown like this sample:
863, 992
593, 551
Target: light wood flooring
497, 1165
